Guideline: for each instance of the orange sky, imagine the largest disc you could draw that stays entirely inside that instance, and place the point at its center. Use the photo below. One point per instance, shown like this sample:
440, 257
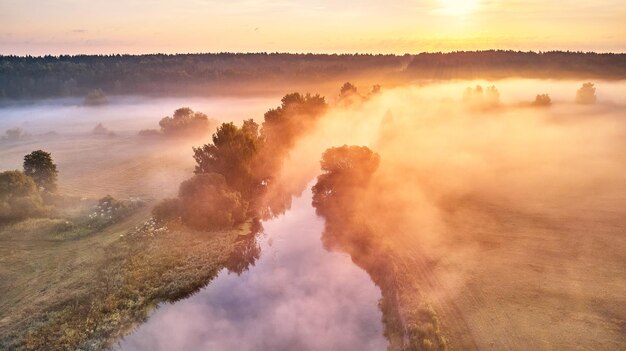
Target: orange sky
392, 26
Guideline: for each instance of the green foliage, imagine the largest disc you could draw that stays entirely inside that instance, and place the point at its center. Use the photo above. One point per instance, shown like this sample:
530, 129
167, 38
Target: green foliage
39, 166
207, 202
185, 123
183, 74
231, 155
110, 210
19, 197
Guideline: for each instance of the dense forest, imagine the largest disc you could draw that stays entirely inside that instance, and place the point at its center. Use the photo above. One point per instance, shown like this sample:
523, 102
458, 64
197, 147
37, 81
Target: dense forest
501, 64
58, 76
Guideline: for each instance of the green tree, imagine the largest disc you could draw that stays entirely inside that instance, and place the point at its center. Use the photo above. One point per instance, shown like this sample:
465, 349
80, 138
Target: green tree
19, 197
231, 154
39, 166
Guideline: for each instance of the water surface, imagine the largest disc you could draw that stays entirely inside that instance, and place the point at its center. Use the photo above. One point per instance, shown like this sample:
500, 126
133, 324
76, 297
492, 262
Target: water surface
297, 296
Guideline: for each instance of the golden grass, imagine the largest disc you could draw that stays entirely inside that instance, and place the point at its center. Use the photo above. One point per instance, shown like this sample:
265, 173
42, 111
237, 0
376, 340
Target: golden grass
85, 293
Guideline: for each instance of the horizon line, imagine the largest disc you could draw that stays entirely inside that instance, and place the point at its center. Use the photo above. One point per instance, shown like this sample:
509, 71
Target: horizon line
356, 53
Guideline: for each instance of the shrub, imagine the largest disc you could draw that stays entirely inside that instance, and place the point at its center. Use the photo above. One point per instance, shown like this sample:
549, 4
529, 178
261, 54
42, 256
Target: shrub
185, 123
110, 210
19, 197
167, 210
207, 202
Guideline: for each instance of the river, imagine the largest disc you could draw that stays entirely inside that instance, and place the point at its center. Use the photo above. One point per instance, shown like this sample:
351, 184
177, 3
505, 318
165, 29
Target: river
297, 296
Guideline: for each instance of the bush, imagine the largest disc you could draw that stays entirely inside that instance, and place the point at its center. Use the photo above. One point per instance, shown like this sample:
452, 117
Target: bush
186, 123
167, 210
110, 210
207, 202
19, 197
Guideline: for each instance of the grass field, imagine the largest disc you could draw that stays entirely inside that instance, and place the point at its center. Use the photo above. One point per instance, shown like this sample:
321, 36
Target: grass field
66, 286
516, 283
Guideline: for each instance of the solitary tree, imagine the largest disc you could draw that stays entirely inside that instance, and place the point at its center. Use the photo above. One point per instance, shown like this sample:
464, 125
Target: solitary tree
185, 122
39, 166
348, 89
586, 95
542, 100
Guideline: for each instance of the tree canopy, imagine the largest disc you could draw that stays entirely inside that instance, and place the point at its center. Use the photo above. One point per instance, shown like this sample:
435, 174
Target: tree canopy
185, 122
39, 166
344, 168
231, 154
207, 202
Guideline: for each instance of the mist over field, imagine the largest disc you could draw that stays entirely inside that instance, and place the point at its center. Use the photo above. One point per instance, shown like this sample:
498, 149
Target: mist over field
313, 175
507, 206
500, 214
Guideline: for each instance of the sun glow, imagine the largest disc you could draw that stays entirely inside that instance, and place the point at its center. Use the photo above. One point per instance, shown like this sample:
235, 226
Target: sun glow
458, 7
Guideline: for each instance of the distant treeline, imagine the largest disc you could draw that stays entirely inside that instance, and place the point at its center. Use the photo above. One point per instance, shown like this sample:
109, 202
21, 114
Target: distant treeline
57, 76
25, 77
502, 64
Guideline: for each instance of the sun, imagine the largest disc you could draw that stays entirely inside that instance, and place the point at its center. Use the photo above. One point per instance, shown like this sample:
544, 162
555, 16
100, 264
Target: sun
457, 7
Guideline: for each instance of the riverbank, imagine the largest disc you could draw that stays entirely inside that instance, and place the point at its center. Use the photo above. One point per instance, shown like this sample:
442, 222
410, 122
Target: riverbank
85, 293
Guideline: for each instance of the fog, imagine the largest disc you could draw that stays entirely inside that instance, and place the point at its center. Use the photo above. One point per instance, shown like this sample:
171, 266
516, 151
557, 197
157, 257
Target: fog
510, 205
519, 210
123, 113
296, 296
122, 164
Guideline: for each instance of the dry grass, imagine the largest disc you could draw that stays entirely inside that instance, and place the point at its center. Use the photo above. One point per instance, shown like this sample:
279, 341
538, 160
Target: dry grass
85, 293
65, 285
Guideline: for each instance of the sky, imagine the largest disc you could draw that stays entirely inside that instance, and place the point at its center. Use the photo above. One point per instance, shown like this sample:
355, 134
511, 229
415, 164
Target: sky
38, 27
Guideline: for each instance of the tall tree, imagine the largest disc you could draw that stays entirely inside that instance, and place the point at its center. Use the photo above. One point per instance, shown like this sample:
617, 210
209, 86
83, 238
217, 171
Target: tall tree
39, 166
